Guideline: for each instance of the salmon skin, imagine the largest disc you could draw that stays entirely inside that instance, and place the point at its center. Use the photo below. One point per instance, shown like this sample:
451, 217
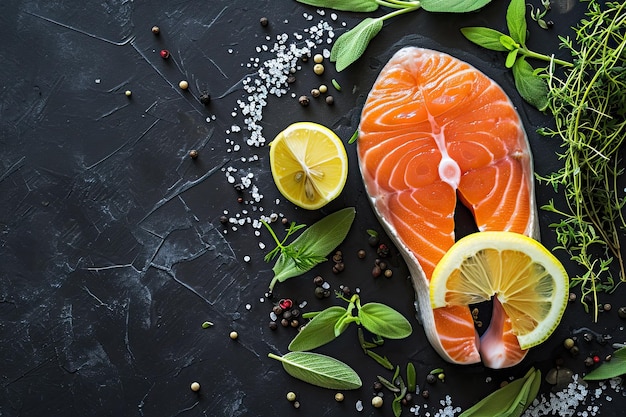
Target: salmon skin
434, 129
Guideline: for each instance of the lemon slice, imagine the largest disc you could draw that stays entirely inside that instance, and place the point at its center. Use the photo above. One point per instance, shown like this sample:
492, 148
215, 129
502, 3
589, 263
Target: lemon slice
309, 164
530, 283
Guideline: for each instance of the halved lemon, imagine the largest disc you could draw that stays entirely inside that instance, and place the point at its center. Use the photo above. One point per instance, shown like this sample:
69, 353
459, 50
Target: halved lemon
309, 164
530, 283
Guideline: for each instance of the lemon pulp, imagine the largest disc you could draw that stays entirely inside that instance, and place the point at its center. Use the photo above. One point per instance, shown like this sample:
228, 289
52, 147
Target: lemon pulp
309, 164
530, 283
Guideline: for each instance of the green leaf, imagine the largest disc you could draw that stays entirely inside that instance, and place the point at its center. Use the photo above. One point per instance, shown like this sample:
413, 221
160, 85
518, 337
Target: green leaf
411, 377
396, 406
384, 321
354, 137
344, 5
612, 369
342, 324
318, 331
510, 58
530, 86
516, 20
485, 37
320, 370
453, 6
382, 360
387, 384
350, 46
315, 242
510, 400
508, 43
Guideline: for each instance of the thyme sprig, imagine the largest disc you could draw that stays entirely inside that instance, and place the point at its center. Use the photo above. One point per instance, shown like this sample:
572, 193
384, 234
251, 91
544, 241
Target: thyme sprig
589, 108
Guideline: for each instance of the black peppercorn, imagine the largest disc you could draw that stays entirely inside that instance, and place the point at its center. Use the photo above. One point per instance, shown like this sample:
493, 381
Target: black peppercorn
377, 386
284, 323
295, 312
425, 394
193, 154
373, 241
346, 291
287, 315
205, 98
318, 280
326, 293
291, 79
294, 323
589, 361
330, 100
431, 379
361, 254
278, 310
304, 101
264, 21
621, 312
273, 325
223, 219
319, 292
339, 267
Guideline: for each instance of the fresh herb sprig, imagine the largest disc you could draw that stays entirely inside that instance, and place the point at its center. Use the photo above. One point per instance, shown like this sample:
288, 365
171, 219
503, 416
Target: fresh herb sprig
329, 324
350, 46
528, 81
589, 108
311, 247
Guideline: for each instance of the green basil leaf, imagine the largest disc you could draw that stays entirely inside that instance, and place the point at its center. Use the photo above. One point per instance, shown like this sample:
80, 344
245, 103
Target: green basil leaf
530, 86
612, 369
350, 46
382, 360
320, 370
411, 377
384, 321
485, 37
508, 43
318, 331
344, 5
315, 242
516, 20
510, 58
453, 6
510, 400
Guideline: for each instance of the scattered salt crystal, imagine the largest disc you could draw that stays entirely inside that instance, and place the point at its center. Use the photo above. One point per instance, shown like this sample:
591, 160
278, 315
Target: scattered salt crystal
333, 16
326, 285
273, 316
359, 405
97, 80
248, 306
303, 304
261, 245
246, 258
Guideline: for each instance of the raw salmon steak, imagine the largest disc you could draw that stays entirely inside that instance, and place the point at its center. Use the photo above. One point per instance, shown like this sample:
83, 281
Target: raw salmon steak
434, 129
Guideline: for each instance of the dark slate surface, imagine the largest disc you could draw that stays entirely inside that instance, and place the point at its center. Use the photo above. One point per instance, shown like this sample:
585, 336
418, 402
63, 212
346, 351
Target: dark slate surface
112, 250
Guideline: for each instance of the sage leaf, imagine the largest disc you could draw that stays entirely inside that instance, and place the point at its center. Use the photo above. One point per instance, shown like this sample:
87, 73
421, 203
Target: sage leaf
510, 400
612, 369
485, 37
344, 5
384, 321
453, 6
396, 406
411, 377
319, 331
342, 324
530, 86
516, 20
350, 46
320, 370
313, 244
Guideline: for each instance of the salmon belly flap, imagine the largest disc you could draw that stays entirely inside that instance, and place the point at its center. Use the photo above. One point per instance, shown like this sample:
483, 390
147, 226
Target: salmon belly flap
434, 130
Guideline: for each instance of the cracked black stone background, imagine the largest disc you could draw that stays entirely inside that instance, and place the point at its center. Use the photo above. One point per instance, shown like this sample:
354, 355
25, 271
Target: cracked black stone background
111, 247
